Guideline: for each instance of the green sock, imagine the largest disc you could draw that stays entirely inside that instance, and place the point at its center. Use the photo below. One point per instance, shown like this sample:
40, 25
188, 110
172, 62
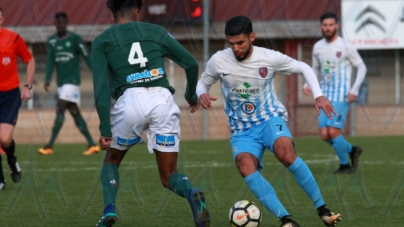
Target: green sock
60, 118
110, 183
179, 184
81, 124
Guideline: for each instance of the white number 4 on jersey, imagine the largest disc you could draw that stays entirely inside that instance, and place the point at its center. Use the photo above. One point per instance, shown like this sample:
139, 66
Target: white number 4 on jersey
140, 59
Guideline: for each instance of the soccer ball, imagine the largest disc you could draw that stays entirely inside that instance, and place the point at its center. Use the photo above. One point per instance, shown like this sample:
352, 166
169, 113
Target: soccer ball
245, 213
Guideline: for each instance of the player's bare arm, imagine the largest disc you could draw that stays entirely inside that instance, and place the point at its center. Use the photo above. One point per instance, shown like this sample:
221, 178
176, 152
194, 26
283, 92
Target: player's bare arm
323, 103
206, 100
26, 92
306, 89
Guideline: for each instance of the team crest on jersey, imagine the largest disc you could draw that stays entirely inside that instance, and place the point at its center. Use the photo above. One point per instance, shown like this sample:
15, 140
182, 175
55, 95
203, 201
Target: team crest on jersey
68, 44
263, 71
6, 61
248, 107
338, 54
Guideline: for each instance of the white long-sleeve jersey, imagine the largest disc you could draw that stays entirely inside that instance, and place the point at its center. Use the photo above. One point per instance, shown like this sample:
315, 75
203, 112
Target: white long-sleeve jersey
334, 62
248, 89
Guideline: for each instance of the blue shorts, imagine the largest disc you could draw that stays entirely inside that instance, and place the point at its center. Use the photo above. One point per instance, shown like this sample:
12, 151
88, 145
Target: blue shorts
257, 138
10, 103
342, 109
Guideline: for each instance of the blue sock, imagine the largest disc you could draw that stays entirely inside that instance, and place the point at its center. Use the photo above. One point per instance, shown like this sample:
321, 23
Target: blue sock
266, 194
342, 148
306, 181
109, 209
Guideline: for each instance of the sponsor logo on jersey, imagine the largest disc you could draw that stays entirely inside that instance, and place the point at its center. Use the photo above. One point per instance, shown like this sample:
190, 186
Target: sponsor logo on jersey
145, 76
338, 54
6, 61
59, 48
246, 90
248, 107
63, 57
327, 66
263, 71
127, 142
165, 141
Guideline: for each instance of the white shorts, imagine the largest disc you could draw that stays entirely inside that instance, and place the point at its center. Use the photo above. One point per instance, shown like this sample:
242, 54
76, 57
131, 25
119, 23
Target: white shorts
151, 109
69, 92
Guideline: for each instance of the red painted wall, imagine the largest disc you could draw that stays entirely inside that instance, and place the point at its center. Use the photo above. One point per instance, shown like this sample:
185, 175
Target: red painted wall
41, 12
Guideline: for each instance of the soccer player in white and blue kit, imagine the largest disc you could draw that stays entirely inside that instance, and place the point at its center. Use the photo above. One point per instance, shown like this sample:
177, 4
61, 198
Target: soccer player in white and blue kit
333, 58
257, 118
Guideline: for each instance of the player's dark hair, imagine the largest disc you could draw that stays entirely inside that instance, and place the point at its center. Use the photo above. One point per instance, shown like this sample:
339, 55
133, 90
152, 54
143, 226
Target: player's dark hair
329, 15
1, 10
119, 7
61, 15
238, 25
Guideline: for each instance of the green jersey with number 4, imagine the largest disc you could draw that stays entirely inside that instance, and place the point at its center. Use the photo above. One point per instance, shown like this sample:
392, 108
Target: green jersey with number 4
132, 55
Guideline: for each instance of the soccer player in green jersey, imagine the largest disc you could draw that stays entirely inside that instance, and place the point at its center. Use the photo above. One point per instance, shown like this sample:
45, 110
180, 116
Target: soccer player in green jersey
64, 50
128, 65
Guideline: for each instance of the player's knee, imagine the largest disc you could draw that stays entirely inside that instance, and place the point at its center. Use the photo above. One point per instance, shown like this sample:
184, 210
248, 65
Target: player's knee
246, 170
5, 141
325, 134
334, 133
113, 158
287, 158
246, 164
325, 137
74, 110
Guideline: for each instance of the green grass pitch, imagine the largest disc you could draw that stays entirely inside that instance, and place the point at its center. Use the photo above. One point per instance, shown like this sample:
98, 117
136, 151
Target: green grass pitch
64, 189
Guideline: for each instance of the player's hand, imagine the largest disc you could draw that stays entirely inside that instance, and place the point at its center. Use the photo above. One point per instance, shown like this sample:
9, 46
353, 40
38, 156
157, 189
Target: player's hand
194, 107
26, 94
352, 98
46, 86
306, 89
325, 104
206, 100
105, 142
